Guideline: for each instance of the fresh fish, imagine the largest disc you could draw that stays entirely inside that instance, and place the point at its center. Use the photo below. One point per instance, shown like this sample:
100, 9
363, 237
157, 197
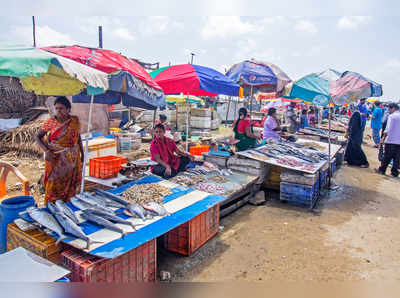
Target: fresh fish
72, 228
90, 201
89, 204
98, 220
136, 210
156, 208
110, 217
46, 220
111, 196
61, 206
78, 203
109, 202
52, 208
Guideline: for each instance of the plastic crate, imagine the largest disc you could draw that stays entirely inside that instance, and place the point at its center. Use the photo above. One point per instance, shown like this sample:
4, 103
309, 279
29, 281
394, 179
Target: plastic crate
199, 149
333, 166
190, 236
323, 178
106, 166
137, 265
299, 194
35, 241
339, 159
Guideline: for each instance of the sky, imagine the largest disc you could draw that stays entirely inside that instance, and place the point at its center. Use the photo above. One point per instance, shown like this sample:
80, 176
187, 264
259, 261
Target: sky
299, 45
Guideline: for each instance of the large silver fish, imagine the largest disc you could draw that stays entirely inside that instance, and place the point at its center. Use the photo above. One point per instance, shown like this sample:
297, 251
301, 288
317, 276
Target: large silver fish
81, 205
46, 220
73, 229
111, 196
88, 204
98, 200
136, 210
52, 208
155, 208
109, 202
61, 206
110, 217
98, 220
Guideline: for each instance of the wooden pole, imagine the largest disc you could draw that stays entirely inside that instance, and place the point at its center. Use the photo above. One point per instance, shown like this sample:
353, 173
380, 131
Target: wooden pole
251, 100
227, 112
329, 148
100, 37
34, 31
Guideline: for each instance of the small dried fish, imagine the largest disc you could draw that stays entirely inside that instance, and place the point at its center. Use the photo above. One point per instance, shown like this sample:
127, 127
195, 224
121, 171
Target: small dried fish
218, 179
142, 193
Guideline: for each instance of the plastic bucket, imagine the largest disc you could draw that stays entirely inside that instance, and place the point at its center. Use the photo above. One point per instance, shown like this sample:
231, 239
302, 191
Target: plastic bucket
9, 210
125, 144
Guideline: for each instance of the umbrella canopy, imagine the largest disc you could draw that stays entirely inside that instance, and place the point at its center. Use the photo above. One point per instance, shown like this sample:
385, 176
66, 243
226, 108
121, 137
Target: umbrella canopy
352, 86
128, 81
264, 76
194, 80
47, 74
184, 98
314, 87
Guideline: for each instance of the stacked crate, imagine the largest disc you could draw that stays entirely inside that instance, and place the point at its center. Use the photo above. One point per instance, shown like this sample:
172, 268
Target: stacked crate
299, 189
323, 176
250, 167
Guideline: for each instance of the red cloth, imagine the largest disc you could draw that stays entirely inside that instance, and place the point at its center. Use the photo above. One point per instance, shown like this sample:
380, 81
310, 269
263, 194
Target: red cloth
165, 149
243, 124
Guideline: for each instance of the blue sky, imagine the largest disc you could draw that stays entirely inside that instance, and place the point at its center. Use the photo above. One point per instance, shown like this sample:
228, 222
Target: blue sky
298, 44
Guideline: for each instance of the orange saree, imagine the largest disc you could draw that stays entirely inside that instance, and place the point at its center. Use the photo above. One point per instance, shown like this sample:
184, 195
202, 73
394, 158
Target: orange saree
63, 174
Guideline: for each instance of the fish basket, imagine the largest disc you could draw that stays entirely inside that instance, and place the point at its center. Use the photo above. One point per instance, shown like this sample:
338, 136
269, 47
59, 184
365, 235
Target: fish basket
35, 241
106, 167
137, 265
190, 236
300, 195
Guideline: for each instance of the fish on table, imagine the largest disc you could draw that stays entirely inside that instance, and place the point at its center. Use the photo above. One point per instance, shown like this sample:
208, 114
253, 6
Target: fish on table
100, 221
136, 210
113, 218
155, 209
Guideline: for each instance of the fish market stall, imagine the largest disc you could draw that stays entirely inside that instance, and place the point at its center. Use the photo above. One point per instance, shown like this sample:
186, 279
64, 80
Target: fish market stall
323, 134
321, 146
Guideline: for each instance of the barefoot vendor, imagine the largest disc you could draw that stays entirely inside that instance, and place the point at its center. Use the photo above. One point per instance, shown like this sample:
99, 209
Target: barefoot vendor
171, 160
60, 139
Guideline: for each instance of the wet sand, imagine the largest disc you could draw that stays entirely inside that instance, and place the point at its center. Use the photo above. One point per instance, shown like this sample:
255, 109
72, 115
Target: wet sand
353, 234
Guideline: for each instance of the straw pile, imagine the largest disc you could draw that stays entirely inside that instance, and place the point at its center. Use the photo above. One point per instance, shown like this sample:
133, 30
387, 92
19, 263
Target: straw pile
22, 140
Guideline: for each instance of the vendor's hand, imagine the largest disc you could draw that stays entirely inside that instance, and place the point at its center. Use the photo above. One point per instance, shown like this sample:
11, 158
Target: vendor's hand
168, 171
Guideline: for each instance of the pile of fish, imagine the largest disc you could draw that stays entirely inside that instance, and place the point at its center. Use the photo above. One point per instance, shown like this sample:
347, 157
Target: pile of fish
95, 208
149, 192
323, 132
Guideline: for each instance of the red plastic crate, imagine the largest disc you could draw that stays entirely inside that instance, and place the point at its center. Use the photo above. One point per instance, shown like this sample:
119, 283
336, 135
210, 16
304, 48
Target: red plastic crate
190, 236
137, 265
105, 167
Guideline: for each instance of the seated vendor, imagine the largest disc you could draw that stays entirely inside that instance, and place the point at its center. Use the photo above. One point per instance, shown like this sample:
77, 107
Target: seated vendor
271, 125
171, 160
243, 132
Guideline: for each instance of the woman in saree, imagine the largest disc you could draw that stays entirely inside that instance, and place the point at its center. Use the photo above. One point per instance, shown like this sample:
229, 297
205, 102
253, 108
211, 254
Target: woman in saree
60, 140
354, 154
243, 132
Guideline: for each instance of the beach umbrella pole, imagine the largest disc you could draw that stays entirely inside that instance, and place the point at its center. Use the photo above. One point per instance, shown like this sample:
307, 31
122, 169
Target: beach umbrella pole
227, 111
251, 100
329, 148
187, 125
85, 157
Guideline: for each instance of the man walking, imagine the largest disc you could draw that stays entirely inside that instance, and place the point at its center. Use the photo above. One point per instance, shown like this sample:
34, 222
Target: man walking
376, 123
362, 108
391, 139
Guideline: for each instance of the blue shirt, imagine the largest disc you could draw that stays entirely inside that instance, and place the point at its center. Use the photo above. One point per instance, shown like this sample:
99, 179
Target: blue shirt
304, 121
376, 123
363, 110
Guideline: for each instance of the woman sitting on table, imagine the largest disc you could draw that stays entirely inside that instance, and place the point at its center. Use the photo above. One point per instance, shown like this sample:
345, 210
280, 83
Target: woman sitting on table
171, 160
271, 125
243, 132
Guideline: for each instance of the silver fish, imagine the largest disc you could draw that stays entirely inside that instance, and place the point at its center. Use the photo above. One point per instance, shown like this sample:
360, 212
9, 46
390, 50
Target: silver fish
155, 208
98, 220
81, 205
46, 220
136, 210
109, 202
110, 217
111, 196
96, 199
52, 208
73, 229
67, 211
89, 204
90, 201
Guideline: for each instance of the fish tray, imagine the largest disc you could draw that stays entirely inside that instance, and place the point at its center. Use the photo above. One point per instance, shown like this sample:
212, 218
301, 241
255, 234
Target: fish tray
35, 241
298, 194
137, 265
190, 236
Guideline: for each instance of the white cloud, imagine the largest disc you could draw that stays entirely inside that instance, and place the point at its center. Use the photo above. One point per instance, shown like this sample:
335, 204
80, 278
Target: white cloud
352, 22
224, 26
249, 48
45, 36
123, 33
393, 63
306, 26
91, 24
155, 25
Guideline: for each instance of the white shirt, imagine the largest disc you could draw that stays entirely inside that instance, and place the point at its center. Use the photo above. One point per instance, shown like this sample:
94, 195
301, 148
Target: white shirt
393, 129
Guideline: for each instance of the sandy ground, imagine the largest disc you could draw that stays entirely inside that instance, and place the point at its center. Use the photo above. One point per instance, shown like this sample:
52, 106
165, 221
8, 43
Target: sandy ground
352, 235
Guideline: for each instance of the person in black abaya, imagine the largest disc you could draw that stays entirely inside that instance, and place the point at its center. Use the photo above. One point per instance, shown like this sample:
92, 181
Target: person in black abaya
354, 154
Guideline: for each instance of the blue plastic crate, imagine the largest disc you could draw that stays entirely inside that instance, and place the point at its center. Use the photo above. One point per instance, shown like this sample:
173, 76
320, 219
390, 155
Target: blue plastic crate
298, 194
323, 178
297, 200
333, 167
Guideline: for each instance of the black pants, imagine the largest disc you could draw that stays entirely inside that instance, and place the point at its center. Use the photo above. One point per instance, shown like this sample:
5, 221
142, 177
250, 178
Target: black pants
392, 151
383, 128
159, 170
